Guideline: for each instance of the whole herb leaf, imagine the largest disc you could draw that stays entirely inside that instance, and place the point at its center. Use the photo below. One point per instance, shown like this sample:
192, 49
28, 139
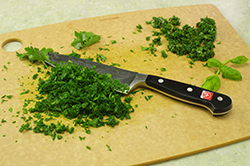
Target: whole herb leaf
213, 63
212, 83
33, 54
239, 60
228, 72
84, 39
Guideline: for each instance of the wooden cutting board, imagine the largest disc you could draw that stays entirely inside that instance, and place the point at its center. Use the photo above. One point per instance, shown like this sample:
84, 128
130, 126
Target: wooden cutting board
160, 129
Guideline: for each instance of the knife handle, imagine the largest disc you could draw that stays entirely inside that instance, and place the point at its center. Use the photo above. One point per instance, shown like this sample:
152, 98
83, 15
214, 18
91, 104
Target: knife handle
216, 103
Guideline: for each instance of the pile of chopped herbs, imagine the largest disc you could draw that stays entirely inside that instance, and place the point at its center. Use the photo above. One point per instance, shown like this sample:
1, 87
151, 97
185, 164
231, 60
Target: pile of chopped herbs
73, 90
79, 94
195, 42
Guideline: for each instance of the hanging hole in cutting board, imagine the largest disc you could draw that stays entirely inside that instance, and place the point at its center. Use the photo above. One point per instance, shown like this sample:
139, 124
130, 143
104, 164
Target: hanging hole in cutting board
12, 45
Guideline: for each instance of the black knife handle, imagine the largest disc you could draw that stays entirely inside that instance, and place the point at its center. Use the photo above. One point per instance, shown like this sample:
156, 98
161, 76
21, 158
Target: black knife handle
216, 103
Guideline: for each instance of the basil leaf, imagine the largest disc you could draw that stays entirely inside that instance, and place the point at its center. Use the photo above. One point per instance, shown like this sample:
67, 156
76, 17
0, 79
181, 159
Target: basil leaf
211, 83
228, 72
213, 63
239, 60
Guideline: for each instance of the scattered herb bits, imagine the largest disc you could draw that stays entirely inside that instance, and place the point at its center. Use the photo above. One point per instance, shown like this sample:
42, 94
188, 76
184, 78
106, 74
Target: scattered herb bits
109, 149
100, 57
113, 41
74, 54
5, 67
163, 69
148, 97
24, 92
163, 54
35, 76
5, 97
139, 28
3, 121
81, 138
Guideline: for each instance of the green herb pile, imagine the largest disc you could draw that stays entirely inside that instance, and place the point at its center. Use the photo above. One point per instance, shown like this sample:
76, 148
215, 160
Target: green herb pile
196, 43
73, 90
88, 99
77, 93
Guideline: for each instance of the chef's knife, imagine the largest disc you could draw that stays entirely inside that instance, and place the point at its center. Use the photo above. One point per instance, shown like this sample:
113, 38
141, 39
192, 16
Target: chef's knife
216, 103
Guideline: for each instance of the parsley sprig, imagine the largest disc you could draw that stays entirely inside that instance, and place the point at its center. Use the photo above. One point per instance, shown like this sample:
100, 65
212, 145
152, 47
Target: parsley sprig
213, 82
33, 54
84, 39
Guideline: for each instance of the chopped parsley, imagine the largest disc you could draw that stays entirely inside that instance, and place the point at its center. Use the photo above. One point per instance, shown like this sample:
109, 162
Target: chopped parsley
113, 41
82, 138
109, 149
35, 76
74, 54
10, 109
5, 67
100, 57
195, 42
24, 92
139, 28
3, 121
163, 54
148, 97
4, 98
163, 69
86, 97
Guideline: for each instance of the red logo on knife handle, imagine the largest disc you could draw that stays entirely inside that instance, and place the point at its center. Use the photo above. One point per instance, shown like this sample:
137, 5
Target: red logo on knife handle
207, 95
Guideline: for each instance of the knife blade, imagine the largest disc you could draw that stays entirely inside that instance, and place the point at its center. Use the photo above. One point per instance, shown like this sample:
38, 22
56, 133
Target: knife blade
216, 103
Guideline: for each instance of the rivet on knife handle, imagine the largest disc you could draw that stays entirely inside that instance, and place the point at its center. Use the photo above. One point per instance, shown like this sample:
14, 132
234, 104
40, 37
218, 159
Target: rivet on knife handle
216, 103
